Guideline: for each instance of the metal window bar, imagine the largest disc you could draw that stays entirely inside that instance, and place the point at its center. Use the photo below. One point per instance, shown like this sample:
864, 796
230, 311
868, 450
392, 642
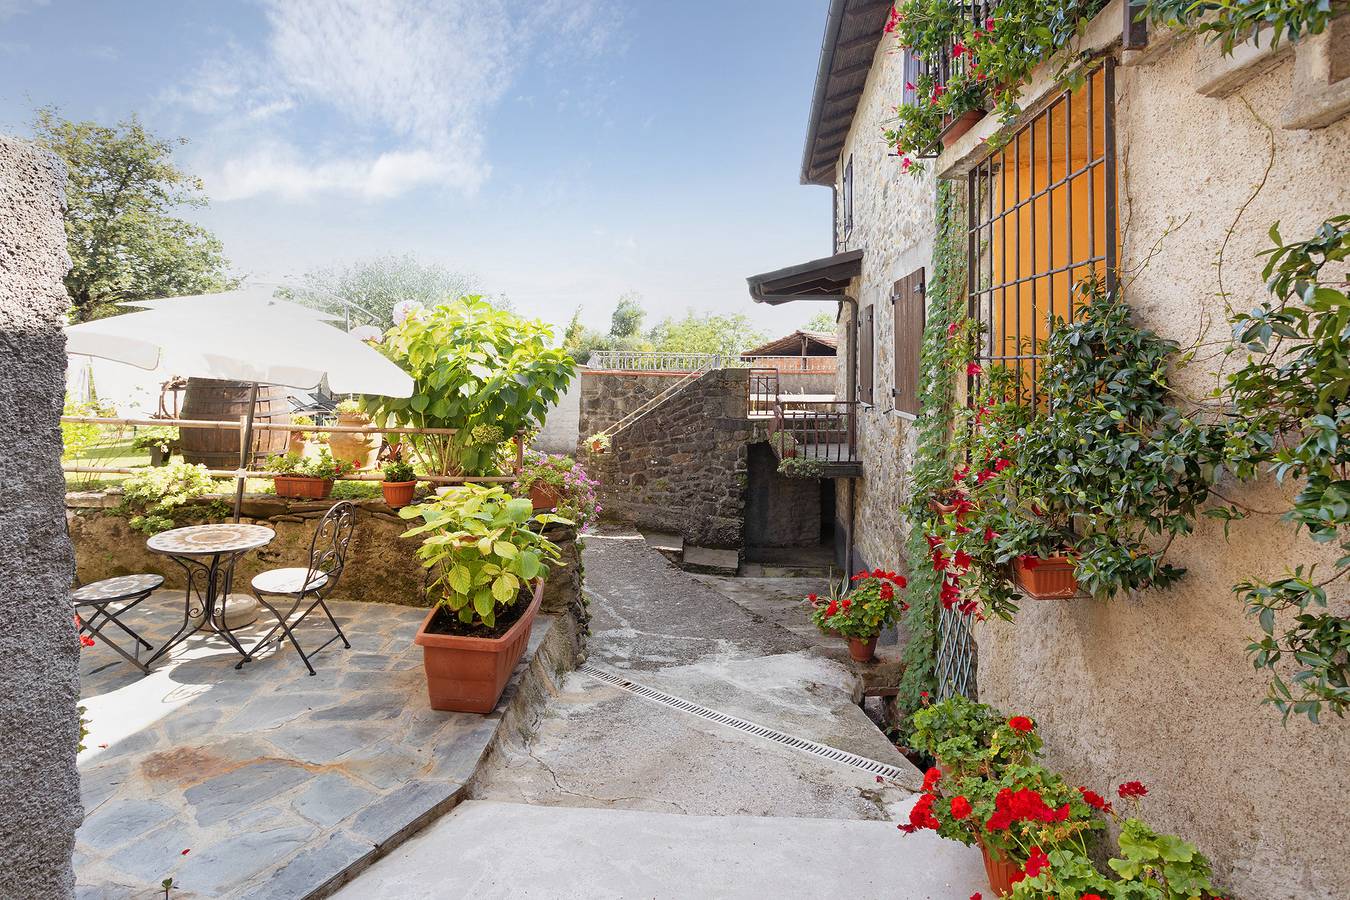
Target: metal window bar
945, 65
1004, 212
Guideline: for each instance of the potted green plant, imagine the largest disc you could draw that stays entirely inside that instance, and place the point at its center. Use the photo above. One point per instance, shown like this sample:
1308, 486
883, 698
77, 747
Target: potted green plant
541, 479
487, 566
957, 733
859, 616
306, 478
160, 441
598, 442
801, 467
399, 483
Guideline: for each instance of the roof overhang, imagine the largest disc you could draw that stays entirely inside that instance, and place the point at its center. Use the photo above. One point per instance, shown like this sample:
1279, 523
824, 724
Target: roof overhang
821, 279
853, 30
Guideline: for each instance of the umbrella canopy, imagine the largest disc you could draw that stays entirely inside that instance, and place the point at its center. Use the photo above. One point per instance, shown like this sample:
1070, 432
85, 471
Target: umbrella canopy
241, 336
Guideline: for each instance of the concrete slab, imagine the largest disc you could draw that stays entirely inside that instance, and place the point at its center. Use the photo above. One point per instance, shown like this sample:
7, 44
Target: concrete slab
708, 559
266, 781
595, 853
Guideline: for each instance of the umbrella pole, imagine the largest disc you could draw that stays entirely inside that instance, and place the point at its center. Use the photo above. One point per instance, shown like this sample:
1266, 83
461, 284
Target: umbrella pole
245, 448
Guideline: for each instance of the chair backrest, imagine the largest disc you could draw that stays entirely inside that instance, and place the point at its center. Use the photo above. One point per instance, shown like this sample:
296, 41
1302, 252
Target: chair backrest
328, 549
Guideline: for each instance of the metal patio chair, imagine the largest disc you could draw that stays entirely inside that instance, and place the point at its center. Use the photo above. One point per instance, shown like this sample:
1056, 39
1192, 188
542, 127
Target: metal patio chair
307, 586
103, 603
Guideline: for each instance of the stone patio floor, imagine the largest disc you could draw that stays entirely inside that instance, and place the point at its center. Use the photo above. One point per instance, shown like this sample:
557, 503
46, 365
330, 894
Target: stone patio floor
267, 781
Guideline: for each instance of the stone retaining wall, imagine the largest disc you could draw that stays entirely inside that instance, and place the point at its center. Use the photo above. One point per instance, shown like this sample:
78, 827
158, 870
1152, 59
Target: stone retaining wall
606, 396
381, 566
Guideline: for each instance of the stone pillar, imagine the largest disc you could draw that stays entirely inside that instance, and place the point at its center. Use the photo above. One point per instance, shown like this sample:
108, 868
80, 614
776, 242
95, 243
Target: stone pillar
39, 654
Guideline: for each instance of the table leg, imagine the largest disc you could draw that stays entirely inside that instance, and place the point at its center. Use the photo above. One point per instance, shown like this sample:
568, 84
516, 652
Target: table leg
192, 569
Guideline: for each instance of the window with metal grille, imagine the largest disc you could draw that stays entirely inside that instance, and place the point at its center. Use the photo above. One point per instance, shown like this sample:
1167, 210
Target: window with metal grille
846, 225
1043, 218
908, 298
866, 355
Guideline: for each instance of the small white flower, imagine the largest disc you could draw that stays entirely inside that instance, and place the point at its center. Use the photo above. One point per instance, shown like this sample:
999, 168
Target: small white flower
407, 309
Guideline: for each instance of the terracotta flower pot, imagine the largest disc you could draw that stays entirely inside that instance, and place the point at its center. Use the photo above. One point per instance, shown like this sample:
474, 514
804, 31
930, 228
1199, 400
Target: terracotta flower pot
1050, 578
1000, 871
298, 444
544, 496
468, 674
398, 493
862, 649
361, 450
960, 125
299, 487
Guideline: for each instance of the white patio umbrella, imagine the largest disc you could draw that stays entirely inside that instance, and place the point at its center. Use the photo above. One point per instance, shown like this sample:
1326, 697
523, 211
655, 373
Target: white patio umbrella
241, 336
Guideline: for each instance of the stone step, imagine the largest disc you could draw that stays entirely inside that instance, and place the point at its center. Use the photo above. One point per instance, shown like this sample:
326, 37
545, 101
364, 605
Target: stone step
493, 849
710, 560
671, 546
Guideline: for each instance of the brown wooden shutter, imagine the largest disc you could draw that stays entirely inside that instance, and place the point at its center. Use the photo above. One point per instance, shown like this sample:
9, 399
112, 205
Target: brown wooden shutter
866, 355
908, 297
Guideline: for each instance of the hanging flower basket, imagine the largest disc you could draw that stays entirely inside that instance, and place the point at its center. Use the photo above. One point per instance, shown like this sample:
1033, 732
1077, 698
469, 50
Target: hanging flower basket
1046, 578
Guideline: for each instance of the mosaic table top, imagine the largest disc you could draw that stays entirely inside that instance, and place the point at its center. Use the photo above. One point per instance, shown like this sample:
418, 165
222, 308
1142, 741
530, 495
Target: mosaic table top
207, 540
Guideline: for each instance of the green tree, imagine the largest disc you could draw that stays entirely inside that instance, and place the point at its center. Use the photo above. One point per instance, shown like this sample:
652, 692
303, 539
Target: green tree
121, 190
826, 322
372, 288
626, 321
706, 333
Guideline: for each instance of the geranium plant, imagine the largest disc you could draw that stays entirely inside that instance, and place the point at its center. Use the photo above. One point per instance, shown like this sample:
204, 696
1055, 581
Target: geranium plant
481, 550
960, 735
872, 604
396, 471
577, 499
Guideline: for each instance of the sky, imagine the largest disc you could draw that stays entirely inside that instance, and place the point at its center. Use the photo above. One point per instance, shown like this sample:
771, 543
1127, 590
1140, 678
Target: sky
564, 152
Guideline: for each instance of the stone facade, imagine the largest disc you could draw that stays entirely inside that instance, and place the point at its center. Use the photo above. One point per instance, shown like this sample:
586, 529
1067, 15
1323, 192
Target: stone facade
606, 397
381, 566
39, 655
682, 467
779, 511
1155, 686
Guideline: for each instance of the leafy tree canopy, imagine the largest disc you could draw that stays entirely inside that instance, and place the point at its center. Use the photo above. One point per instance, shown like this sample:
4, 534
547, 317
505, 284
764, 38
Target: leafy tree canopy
121, 190
822, 321
372, 288
707, 333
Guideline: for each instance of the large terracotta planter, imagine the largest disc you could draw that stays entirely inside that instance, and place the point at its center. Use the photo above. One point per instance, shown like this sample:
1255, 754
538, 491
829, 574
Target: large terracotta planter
999, 871
544, 496
301, 488
1050, 578
398, 493
361, 450
960, 125
862, 649
468, 674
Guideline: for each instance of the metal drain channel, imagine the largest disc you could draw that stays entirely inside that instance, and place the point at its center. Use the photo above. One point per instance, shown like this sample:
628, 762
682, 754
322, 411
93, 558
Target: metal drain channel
741, 725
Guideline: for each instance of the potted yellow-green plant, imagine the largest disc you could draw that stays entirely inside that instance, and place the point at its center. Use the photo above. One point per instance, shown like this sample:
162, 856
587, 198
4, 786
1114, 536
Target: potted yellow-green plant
306, 478
487, 567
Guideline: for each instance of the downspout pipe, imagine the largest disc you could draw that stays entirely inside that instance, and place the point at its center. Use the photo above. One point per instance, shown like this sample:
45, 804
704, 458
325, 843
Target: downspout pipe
852, 378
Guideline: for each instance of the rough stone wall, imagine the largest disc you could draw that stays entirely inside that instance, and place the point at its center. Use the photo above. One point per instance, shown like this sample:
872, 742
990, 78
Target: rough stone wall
682, 467
894, 223
1157, 686
39, 655
779, 511
606, 397
381, 566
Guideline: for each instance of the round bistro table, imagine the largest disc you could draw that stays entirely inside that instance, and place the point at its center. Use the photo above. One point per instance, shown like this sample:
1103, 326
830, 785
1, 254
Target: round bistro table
207, 554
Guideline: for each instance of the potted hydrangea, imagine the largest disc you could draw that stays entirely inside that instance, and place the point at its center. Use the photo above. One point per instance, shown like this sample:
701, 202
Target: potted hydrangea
306, 478
487, 560
872, 604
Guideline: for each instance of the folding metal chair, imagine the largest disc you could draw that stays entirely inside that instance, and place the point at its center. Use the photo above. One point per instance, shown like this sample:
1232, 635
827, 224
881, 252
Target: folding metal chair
104, 603
308, 584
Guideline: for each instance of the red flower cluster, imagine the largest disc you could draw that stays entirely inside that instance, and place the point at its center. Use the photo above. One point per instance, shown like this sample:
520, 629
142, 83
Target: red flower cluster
960, 807
1131, 790
1095, 800
1036, 861
86, 641
974, 369
1022, 724
894, 20
897, 580
1024, 805
931, 778
921, 816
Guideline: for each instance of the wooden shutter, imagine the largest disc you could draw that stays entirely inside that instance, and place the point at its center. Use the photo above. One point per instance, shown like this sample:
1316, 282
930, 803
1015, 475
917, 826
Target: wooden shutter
908, 297
866, 355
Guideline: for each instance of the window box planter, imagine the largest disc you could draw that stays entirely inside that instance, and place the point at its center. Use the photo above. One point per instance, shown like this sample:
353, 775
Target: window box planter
959, 126
299, 487
544, 496
398, 493
1049, 578
468, 674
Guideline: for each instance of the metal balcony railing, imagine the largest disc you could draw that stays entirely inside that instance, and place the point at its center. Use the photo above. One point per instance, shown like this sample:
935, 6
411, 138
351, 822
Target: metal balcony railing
825, 430
658, 361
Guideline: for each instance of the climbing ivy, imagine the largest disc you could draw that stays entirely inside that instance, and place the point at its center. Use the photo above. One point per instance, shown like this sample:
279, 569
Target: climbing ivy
1231, 22
931, 469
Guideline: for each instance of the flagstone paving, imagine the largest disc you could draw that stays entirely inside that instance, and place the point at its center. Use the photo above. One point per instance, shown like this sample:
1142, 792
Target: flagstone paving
266, 781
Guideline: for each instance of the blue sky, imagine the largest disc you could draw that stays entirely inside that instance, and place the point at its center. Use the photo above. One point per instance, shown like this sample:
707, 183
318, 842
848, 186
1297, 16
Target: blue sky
563, 151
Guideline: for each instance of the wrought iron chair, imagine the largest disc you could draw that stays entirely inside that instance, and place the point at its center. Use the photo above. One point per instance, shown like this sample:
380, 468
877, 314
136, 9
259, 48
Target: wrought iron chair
109, 600
308, 586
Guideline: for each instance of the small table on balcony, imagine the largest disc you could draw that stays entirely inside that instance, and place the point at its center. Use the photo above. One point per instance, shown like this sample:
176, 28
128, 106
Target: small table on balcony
207, 554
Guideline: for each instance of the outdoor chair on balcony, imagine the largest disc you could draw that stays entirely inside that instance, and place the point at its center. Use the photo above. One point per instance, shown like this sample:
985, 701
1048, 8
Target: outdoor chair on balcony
103, 603
307, 586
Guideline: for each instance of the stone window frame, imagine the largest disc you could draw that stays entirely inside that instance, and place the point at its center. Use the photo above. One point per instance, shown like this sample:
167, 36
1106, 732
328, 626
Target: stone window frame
867, 355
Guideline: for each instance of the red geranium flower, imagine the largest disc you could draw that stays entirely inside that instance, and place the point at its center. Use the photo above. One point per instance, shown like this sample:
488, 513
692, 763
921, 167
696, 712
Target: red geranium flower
832, 608
905, 164
1021, 723
1095, 800
1091, 897
1036, 861
960, 807
931, 778
1131, 789
86, 641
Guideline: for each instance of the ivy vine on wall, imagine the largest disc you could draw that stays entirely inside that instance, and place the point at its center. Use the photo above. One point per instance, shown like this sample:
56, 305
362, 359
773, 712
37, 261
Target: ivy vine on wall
1231, 22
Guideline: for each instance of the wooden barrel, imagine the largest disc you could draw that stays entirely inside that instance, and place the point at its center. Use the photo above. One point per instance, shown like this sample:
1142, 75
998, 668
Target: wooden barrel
226, 401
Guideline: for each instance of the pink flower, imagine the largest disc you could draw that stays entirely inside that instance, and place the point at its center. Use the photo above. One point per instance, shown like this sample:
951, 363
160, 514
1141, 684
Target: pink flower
974, 369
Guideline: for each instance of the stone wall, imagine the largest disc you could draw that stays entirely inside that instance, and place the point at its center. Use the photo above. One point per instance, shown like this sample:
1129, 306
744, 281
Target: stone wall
682, 467
779, 511
606, 396
39, 655
381, 566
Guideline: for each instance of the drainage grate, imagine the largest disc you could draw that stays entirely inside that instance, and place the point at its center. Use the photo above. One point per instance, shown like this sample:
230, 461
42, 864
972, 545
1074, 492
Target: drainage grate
741, 725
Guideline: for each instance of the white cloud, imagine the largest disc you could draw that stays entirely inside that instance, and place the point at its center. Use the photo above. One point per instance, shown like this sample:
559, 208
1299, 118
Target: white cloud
412, 79
10, 8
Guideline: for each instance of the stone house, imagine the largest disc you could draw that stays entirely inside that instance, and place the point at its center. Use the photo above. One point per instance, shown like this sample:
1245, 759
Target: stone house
1163, 171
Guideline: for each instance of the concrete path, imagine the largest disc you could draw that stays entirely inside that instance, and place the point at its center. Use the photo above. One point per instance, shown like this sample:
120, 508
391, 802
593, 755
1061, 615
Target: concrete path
488, 849
609, 794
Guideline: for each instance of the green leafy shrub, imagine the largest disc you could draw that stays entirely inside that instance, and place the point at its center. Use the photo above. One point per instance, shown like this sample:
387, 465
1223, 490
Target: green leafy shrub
153, 495
163, 437
1231, 22
398, 471
873, 603
480, 549
577, 499
959, 733
321, 465
801, 467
